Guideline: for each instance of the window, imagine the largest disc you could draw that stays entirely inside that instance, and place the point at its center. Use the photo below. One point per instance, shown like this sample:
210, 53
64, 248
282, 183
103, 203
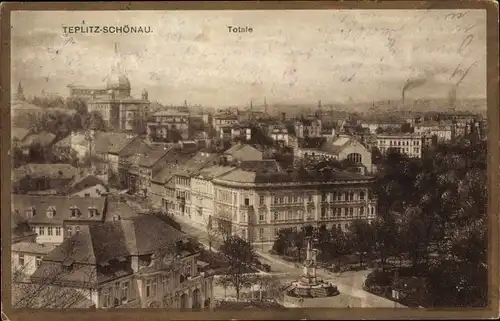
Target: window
261, 200
148, 288
69, 231
276, 200
295, 199
165, 283
49, 230
339, 211
261, 233
351, 211
373, 210
362, 195
30, 212
323, 213
41, 230
38, 261
261, 217
361, 210
290, 215
124, 294
21, 259
247, 201
154, 287
51, 211
107, 298
351, 196
74, 211
280, 199
58, 231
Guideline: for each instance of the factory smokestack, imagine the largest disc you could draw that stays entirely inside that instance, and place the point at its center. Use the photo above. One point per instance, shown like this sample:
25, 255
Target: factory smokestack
410, 84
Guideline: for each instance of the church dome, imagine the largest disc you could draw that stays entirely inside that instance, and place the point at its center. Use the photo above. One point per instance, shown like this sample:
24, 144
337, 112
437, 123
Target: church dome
118, 81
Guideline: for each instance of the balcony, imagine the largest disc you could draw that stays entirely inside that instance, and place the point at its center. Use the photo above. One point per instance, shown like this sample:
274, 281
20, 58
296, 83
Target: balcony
286, 220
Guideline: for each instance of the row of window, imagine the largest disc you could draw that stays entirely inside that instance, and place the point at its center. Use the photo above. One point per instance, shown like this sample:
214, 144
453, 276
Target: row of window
75, 211
120, 292
22, 261
40, 230
339, 211
416, 150
399, 142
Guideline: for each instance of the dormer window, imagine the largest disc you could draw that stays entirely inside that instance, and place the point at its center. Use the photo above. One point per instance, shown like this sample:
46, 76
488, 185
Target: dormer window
93, 211
30, 212
51, 211
74, 211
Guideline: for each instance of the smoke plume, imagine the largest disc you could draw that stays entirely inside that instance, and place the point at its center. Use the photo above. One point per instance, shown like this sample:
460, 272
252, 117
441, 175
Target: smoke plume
412, 83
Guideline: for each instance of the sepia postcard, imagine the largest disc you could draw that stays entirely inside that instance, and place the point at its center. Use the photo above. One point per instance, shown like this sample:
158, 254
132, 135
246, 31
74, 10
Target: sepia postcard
250, 160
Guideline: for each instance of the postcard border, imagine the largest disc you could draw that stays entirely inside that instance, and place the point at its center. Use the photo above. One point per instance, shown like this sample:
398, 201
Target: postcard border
492, 311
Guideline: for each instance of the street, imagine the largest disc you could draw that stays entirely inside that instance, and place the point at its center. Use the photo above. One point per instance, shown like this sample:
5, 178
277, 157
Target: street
349, 283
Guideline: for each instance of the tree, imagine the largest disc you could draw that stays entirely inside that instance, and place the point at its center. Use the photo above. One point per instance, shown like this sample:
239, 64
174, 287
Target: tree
224, 282
241, 256
298, 242
362, 238
407, 128
47, 290
386, 237
284, 242
211, 230
94, 120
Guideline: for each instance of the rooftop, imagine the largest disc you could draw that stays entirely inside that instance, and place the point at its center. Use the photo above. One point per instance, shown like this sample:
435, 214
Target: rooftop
111, 142
43, 138
18, 133
61, 206
292, 176
65, 171
32, 247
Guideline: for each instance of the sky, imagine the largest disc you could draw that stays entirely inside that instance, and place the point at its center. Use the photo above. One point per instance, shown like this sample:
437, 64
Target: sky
292, 56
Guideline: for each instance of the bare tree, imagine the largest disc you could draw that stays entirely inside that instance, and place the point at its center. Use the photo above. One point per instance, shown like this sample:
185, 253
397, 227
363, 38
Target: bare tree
51, 289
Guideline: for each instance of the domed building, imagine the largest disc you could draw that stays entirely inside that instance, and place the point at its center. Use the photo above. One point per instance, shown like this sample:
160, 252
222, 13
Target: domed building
114, 102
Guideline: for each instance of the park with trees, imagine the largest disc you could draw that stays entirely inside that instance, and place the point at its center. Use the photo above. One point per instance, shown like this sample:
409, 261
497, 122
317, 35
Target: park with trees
429, 240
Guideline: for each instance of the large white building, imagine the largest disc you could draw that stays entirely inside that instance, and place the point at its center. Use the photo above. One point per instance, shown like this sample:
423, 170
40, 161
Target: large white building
257, 204
202, 194
408, 144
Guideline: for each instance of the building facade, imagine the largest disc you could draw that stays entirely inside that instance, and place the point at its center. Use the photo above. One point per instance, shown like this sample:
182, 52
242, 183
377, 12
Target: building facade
257, 205
408, 144
168, 126
145, 264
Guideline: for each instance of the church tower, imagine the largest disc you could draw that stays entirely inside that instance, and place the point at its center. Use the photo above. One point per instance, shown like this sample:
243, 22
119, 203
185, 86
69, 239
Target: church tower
20, 92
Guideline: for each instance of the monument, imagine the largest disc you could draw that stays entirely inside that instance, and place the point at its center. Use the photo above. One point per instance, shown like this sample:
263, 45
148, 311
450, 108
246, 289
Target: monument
309, 287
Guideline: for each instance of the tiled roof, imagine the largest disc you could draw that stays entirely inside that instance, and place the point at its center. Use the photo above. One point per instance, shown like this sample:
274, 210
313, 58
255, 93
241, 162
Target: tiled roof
146, 234
71, 140
196, 163
44, 139
20, 227
21, 105
62, 206
18, 133
297, 175
32, 247
65, 171
171, 112
85, 182
151, 157
265, 164
215, 171
111, 142
101, 243
311, 142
